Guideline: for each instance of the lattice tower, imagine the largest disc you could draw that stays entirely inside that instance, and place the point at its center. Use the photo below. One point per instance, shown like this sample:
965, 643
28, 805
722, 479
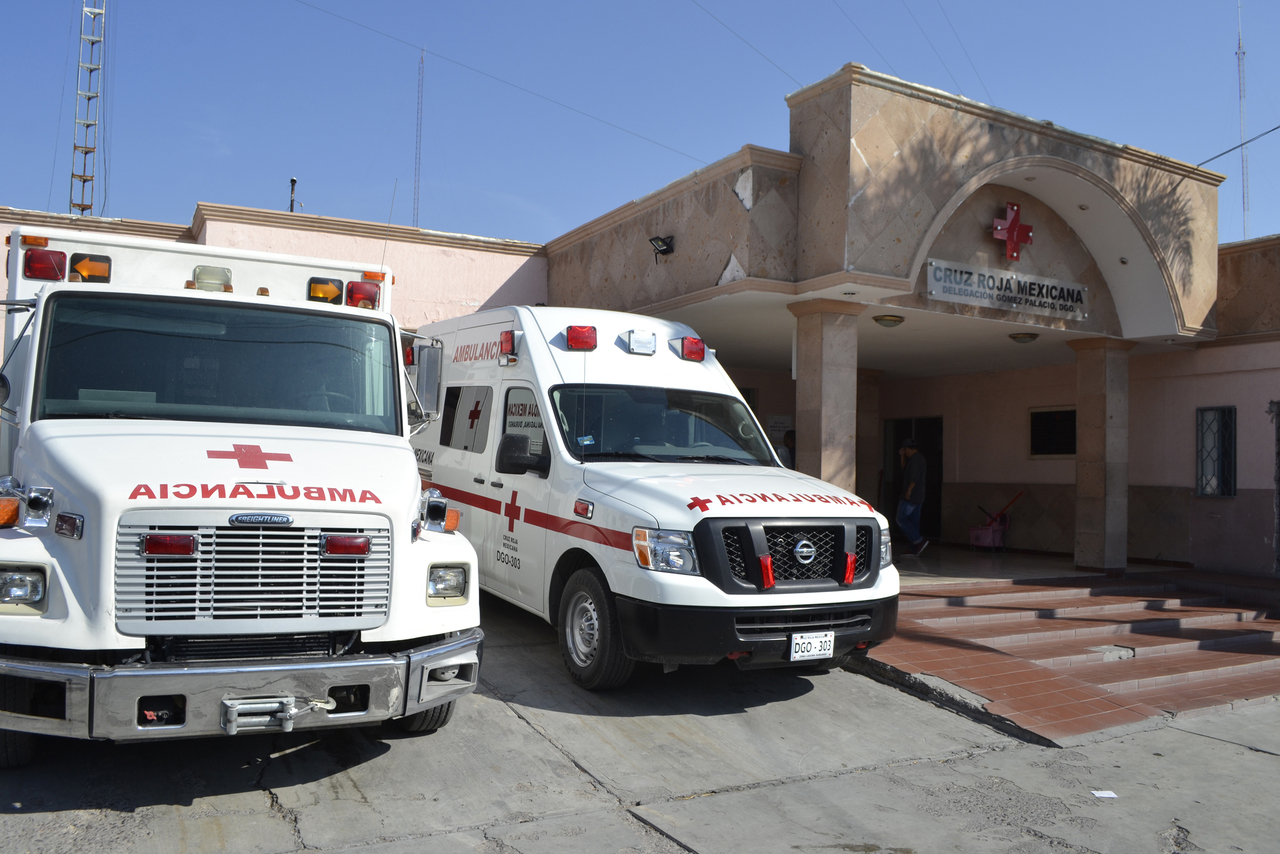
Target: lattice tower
88, 103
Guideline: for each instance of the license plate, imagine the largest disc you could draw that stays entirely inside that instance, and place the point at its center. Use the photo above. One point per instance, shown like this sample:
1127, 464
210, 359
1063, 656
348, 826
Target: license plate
811, 645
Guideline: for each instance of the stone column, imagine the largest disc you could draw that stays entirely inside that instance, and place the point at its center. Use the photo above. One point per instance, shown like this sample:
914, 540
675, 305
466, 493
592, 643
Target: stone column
827, 389
1102, 453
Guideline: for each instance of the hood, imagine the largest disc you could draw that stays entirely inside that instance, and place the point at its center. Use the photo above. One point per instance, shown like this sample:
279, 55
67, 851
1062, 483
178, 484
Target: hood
680, 496
110, 467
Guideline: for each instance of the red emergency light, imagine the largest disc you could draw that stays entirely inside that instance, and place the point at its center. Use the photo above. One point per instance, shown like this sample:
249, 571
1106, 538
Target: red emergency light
850, 567
344, 546
363, 294
766, 570
168, 545
47, 264
507, 343
692, 349
408, 356
581, 337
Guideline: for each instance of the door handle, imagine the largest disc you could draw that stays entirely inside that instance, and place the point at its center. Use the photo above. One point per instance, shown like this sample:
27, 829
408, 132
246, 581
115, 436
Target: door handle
478, 479
496, 483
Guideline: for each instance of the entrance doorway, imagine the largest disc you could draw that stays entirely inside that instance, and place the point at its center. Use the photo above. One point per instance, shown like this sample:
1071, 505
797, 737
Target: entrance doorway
928, 435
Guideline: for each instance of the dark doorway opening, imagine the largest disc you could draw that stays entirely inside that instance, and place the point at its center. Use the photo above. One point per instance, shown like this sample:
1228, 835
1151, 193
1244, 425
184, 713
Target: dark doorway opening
928, 435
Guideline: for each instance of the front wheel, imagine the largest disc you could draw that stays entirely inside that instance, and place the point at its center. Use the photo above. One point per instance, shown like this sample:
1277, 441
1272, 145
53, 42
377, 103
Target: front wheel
590, 639
428, 720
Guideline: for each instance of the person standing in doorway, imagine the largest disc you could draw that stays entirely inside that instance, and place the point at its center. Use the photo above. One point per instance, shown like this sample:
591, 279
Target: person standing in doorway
913, 471
787, 453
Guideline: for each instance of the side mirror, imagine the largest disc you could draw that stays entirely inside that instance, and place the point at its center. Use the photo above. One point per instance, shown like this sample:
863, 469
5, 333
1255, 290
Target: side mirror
4, 389
514, 456
429, 358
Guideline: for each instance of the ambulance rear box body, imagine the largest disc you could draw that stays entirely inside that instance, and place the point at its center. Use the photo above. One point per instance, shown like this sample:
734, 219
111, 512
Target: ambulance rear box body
615, 483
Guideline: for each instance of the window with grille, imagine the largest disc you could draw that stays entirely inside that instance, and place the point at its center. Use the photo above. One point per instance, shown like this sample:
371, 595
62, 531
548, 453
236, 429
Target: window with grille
1216, 450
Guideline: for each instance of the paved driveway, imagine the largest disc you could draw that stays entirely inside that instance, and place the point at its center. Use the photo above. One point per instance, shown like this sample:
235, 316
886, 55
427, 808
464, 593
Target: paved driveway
703, 759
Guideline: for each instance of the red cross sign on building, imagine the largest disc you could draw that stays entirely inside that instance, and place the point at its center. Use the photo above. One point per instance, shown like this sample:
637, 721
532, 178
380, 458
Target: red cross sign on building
1012, 230
249, 456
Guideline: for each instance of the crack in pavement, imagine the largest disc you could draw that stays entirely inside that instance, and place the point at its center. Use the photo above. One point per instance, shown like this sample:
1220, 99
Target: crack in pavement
290, 816
1225, 741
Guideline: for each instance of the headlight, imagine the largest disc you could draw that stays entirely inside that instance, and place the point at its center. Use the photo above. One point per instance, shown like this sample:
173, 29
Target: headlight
21, 587
886, 550
447, 581
665, 551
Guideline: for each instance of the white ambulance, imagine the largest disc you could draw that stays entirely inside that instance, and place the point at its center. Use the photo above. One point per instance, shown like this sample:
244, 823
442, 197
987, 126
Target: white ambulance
615, 483
210, 515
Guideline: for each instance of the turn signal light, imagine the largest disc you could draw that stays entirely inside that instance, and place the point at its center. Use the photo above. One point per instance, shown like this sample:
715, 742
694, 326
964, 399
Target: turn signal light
452, 518
766, 570
850, 567
31, 240
692, 349
48, 265
9, 508
344, 546
373, 277
324, 290
363, 294
168, 544
581, 337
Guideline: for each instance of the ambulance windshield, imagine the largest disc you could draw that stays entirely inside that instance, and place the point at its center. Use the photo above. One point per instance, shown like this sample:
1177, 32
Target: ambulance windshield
614, 423
195, 360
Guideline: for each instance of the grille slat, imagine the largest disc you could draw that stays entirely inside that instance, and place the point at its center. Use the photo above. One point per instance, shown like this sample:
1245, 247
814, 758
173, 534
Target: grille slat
250, 574
828, 561
780, 624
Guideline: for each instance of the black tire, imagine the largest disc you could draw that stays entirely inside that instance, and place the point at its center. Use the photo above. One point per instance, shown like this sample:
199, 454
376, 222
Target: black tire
827, 664
16, 748
428, 720
590, 639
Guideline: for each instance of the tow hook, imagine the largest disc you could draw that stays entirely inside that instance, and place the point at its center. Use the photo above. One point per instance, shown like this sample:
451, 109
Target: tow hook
257, 714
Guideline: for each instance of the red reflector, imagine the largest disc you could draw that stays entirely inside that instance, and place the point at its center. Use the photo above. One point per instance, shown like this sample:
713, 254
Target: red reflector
363, 294
47, 264
850, 567
693, 349
581, 337
507, 343
350, 546
766, 570
168, 544
408, 356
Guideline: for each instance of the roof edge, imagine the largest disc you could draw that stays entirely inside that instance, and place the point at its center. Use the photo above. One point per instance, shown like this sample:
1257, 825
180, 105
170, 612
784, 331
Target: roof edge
75, 222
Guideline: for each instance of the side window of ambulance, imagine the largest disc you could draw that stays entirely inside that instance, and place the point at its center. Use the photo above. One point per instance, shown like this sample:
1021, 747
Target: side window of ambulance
464, 420
524, 416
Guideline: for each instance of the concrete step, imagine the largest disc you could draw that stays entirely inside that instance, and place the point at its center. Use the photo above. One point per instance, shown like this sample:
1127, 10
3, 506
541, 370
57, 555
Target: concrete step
941, 616
1207, 696
1071, 652
977, 595
1140, 674
1117, 623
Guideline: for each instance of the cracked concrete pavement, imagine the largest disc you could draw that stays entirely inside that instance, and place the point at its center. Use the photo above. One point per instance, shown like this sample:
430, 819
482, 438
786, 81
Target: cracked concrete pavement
704, 759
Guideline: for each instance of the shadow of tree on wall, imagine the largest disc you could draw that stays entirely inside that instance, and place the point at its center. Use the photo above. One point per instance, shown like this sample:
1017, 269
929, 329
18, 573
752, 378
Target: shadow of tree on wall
1163, 202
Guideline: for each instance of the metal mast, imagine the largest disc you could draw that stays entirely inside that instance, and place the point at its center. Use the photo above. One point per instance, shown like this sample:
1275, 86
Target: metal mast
417, 149
1244, 152
88, 89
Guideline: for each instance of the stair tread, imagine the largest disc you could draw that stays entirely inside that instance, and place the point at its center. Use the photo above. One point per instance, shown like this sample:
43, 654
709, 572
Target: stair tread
1209, 694
1181, 666
917, 598
1022, 610
1050, 653
1120, 622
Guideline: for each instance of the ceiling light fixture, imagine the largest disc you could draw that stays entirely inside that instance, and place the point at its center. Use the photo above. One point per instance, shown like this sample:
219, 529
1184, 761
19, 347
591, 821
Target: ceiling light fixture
889, 320
1024, 337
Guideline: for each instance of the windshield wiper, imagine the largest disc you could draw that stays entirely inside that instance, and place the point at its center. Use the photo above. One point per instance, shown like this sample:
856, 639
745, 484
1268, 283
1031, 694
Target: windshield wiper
123, 415
625, 455
720, 458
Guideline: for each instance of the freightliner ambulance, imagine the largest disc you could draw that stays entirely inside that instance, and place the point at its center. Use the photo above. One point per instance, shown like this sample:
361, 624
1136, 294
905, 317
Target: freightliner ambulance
615, 483
210, 516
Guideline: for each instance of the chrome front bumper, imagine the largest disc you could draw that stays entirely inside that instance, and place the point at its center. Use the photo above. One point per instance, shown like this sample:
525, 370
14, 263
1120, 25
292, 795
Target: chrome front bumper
228, 697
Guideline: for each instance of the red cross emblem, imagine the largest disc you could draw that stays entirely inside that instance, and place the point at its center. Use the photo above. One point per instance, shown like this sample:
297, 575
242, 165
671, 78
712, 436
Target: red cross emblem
249, 456
1012, 231
700, 503
474, 415
512, 512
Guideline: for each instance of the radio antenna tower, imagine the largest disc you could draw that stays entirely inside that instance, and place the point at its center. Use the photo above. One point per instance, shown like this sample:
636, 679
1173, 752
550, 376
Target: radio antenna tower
417, 149
1244, 152
88, 102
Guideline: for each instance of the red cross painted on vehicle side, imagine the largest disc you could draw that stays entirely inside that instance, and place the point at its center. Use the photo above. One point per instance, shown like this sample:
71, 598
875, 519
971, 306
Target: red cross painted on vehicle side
249, 456
512, 512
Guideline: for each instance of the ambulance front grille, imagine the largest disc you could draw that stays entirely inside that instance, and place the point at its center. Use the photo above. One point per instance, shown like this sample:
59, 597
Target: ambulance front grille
827, 563
250, 579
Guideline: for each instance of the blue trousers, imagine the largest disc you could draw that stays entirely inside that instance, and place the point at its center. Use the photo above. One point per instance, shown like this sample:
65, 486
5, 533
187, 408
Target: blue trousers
909, 520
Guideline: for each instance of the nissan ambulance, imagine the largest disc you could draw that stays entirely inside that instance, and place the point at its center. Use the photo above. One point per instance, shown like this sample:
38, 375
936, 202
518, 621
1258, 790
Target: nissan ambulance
615, 483
210, 515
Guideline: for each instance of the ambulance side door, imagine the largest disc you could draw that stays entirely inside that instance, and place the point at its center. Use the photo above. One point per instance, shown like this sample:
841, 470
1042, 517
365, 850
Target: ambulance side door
522, 536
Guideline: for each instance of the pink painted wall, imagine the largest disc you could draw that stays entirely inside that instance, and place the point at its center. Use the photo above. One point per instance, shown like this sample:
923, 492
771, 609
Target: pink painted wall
1164, 392
985, 421
432, 282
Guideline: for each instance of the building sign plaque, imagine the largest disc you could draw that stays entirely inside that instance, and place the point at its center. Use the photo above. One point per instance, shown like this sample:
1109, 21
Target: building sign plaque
953, 281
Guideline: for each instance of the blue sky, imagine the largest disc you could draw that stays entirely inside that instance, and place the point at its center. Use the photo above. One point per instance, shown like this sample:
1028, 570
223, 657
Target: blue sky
224, 102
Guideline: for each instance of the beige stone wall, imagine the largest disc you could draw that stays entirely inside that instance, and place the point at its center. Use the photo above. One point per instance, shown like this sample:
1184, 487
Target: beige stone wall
734, 220
1249, 287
